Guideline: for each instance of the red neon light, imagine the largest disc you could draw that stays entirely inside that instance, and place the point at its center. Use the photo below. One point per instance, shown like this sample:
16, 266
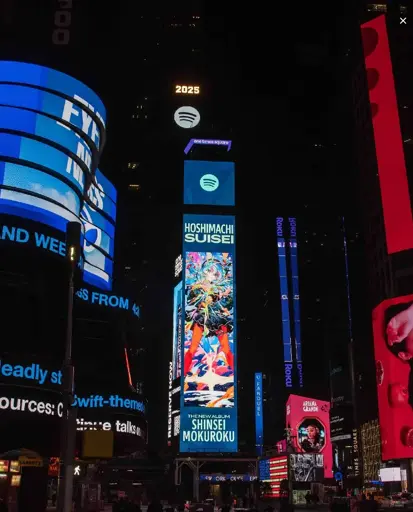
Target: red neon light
397, 212
128, 367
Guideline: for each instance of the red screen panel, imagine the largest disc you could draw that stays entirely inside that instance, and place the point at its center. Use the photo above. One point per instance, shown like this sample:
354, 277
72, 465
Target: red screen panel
393, 349
309, 422
397, 212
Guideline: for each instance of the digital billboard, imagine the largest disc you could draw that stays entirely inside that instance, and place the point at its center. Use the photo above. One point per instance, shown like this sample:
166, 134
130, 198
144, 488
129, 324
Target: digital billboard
307, 467
285, 305
308, 424
259, 414
395, 196
51, 132
31, 394
177, 332
208, 384
207, 142
290, 301
293, 244
273, 471
393, 349
209, 183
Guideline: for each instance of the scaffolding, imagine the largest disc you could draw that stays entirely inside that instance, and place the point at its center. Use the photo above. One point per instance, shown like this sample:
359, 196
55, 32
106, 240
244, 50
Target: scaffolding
196, 463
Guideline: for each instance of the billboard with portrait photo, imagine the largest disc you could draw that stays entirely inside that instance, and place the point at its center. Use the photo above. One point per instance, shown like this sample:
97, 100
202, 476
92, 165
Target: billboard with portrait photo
308, 424
393, 348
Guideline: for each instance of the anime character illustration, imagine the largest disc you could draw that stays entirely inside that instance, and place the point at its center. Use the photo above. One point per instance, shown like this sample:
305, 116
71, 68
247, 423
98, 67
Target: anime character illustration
311, 436
209, 323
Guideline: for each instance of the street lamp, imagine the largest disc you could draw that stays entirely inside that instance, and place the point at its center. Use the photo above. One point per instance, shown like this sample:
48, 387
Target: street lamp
68, 430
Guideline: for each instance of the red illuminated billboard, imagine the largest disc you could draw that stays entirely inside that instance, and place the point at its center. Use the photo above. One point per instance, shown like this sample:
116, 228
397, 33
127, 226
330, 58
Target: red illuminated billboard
308, 421
397, 212
393, 348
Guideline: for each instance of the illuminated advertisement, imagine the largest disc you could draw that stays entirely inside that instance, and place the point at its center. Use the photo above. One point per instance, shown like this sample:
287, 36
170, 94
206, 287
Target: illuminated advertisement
395, 196
308, 423
170, 386
187, 117
209, 183
285, 306
108, 301
296, 298
307, 467
207, 142
177, 332
208, 396
49, 149
393, 348
187, 89
290, 302
259, 414
216, 478
273, 471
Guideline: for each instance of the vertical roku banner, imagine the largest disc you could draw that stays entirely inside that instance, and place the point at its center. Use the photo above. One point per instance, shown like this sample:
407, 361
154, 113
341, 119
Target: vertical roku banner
293, 246
397, 212
208, 380
285, 306
259, 420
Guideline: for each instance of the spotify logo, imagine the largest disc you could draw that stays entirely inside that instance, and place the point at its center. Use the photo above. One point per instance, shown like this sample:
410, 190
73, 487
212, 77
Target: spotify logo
187, 117
209, 182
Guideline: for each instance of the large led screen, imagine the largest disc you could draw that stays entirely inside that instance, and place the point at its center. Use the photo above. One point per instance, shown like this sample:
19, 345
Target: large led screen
209, 183
177, 332
393, 348
274, 471
49, 142
397, 212
209, 395
308, 423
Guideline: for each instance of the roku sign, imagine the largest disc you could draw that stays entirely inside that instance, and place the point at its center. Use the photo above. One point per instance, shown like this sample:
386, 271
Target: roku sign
288, 367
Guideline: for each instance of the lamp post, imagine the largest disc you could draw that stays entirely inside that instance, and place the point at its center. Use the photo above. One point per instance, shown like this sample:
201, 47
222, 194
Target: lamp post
68, 431
290, 449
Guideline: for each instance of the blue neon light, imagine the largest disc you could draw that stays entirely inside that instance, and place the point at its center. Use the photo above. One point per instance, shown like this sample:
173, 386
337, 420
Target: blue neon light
285, 312
296, 298
259, 414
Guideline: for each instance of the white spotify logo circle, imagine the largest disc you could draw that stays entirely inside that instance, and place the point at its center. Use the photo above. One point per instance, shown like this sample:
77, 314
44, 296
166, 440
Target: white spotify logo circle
209, 182
187, 117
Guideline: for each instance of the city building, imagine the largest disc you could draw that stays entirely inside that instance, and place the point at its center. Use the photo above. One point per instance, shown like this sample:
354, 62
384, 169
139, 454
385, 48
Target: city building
381, 101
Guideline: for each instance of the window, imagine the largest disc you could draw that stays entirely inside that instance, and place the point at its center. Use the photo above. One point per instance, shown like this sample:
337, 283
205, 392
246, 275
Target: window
134, 186
133, 165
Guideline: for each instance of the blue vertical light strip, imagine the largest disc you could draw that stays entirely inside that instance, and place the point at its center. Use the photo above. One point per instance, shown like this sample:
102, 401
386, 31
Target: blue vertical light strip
296, 308
259, 414
285, 313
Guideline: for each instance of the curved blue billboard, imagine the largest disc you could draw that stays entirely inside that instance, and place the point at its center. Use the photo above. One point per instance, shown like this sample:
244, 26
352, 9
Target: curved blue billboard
52, 130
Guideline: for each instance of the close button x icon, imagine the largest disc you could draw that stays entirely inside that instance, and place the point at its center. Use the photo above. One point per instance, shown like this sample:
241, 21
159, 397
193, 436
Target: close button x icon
403, 21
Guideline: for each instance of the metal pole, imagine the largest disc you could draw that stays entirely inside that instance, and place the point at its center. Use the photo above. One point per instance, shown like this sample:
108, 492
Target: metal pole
69, 415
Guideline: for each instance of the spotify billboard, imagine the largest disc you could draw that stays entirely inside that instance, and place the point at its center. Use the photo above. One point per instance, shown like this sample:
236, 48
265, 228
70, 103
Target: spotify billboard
209, 183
